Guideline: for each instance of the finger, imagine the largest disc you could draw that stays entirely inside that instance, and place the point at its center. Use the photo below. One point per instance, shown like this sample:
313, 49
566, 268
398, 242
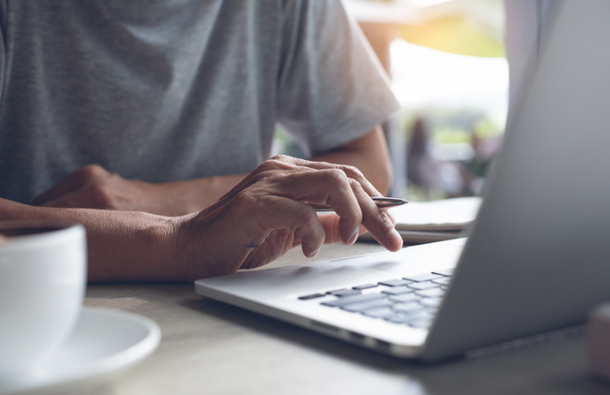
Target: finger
62, 188
278, 243
78, 198
350, 171
390, 215
378, 222
69, 184
326, 187
267, 213
283, 165
280, 164
302, 220
329, 222
291, 164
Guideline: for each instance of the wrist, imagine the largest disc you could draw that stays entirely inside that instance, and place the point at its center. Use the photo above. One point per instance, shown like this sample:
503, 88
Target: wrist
177, 253
132, 246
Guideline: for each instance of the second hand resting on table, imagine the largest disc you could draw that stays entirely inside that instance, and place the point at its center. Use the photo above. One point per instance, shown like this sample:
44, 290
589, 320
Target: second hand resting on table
269, 212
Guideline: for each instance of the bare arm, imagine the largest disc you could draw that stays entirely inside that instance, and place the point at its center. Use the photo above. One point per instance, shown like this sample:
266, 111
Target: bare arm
94, 187
262, 218
369, 154
121, 245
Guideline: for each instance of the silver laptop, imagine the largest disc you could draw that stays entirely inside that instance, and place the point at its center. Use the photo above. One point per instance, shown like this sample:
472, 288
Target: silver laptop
537, 257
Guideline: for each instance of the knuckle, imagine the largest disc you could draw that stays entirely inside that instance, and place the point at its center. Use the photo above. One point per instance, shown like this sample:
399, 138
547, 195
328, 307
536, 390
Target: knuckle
306, 214
281, 158
101, 197
352, 171
92, 170
268, 167
336, 176
335, 179
278, 162
356, 185
382, 218
271, 168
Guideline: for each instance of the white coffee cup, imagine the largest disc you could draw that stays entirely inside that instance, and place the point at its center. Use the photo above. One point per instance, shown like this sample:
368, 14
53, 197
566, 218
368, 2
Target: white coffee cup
42, 285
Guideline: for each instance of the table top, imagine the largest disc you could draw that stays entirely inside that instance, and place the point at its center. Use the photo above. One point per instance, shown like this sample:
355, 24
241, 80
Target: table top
209, 347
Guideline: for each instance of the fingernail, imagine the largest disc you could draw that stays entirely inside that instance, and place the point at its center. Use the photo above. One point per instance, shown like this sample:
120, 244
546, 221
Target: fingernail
353, 239
314, 253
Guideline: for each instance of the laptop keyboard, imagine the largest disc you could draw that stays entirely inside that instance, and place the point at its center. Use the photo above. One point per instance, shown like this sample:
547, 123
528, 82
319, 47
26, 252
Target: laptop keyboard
411, 300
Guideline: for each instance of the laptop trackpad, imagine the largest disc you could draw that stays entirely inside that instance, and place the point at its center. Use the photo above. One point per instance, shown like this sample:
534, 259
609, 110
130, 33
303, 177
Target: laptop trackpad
340, 272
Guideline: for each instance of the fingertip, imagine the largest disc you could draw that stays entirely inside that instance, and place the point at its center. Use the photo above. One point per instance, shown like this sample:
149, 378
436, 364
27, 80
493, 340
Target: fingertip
310, 253
395, 240
349, 238
354, 237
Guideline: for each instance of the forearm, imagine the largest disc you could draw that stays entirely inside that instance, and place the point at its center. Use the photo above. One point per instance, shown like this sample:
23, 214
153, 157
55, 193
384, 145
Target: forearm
369, 154
183, 197
122, 245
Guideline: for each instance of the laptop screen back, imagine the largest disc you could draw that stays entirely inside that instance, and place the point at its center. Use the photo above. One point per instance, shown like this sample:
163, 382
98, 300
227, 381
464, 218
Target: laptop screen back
538, 257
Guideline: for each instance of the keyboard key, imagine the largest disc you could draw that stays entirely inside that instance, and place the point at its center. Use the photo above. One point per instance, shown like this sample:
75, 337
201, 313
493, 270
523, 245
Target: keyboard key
430, 302
344, 292
408, 307
442, 281
431, 292
394, 283
312, 296
380, 313
364, 306
420, 286
445, 272
397, 318
397, 290
423, 323
420, 315
364, 286
422, 277
404, 297
353, 299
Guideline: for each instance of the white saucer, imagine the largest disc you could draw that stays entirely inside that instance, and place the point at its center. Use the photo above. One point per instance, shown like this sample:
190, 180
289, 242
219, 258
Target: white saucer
104, 341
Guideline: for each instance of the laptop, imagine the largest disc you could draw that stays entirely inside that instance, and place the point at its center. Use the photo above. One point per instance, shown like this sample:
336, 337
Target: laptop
537, 257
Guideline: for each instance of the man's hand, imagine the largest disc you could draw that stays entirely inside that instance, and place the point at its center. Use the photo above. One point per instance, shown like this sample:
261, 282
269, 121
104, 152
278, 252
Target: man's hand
270, 212
94, 187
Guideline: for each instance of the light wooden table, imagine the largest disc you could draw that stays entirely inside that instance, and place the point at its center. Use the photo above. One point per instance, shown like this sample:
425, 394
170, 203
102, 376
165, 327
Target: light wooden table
212, 348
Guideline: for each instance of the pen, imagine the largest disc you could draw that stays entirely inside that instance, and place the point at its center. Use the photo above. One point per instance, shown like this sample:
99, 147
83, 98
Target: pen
382, 202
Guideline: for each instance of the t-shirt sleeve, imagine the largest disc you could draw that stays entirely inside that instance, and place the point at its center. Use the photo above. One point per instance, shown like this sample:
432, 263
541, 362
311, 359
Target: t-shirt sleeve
331, 88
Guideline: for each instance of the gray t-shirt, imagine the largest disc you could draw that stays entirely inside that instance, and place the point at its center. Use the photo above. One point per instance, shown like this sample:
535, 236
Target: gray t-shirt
169, 90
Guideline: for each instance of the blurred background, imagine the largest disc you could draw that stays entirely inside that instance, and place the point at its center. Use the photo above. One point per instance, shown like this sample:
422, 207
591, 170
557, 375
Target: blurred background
447, 65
